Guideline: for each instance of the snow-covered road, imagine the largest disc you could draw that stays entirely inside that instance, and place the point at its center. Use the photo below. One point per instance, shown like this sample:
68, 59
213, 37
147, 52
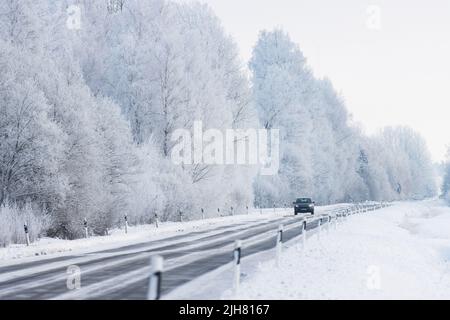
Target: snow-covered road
122, 271
400, 252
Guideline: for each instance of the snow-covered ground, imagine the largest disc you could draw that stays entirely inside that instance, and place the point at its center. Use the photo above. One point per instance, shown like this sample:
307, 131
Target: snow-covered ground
400, 252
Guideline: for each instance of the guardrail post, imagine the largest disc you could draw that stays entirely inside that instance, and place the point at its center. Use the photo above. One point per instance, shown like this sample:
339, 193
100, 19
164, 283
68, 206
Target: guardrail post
126, 224
237, 265
27, 235
154, 285
85, 224
279, 244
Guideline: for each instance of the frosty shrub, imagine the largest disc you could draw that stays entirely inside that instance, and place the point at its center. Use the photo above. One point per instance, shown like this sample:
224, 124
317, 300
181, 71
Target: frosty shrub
13, 218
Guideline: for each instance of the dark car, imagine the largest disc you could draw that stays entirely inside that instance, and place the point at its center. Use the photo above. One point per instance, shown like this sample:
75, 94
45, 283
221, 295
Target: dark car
303, 205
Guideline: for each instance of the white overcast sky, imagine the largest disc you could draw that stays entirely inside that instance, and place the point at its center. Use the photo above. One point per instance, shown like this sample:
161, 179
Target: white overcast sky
396, 74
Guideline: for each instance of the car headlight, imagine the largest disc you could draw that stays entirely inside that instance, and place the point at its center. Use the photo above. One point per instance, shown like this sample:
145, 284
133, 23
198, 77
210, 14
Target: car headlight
311, 205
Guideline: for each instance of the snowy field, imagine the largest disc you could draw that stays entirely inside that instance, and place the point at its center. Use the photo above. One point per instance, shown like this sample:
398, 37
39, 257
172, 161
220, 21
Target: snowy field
401, 252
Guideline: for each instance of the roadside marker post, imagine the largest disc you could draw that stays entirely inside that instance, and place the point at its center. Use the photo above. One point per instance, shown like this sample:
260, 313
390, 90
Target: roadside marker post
181, 215
328, 224
156, 220
304, 234
203, 214
86, 233
154, 285
320, 229
237, 265
279, 244
126, 224
231, 208
27, 235
246, 208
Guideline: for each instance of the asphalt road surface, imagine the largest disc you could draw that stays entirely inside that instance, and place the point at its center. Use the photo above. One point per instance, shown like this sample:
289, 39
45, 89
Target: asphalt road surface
123, 272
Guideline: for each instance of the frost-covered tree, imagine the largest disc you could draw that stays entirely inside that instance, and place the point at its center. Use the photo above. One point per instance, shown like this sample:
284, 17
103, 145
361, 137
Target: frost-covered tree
168, 65
62, 148
31, 145
317, 144
323, 154
397, 165
281, 82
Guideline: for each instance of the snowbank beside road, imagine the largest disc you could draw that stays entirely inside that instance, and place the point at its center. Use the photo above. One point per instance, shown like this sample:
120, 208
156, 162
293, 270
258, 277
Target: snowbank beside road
394, 253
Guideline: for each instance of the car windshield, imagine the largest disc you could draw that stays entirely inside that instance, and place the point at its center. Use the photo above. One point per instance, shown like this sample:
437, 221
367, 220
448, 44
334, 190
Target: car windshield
304, 200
